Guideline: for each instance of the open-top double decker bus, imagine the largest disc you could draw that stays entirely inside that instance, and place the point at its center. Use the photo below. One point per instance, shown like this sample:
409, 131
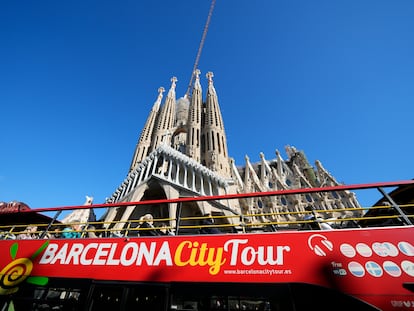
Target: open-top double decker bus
287, 265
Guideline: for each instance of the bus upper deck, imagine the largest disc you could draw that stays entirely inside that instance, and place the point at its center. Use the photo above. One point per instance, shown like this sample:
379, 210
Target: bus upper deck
390, 213
364, 260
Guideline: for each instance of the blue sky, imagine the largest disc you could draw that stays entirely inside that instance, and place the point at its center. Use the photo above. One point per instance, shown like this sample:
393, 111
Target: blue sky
78, 79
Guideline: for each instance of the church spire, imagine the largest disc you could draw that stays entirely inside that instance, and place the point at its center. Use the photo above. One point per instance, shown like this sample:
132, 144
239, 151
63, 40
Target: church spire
216, 155
143, 146
194, 120
166, 120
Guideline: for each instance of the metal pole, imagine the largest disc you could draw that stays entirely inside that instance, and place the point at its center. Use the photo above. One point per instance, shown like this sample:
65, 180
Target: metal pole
50, 224
396, 207
177, 226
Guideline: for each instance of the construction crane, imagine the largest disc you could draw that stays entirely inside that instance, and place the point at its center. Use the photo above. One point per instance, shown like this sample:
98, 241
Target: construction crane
200, 48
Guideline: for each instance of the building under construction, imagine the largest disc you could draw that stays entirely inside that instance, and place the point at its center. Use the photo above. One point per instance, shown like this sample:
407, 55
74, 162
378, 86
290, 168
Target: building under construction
182, 152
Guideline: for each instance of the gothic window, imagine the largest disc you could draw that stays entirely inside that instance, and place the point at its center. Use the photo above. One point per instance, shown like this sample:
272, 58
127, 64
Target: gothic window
198, 138
203, 142
192, 137
218, 143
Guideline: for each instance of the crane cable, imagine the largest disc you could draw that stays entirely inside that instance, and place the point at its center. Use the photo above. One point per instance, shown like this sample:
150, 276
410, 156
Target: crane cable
213, 2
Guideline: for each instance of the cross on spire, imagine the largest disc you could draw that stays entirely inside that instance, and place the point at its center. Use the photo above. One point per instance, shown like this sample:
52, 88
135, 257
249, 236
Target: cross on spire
197, 74
160, 91
173, 82
210, 76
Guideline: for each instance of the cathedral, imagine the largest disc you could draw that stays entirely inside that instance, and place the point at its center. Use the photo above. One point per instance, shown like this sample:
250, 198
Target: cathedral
182, 152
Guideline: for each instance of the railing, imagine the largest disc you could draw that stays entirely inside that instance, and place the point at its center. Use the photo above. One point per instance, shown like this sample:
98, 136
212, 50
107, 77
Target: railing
384, 215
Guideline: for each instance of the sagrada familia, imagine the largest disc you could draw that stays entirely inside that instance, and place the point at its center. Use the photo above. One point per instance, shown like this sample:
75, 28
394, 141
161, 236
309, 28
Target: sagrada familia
182, 152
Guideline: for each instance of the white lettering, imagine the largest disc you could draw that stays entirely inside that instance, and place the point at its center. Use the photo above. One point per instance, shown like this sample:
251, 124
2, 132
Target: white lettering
61, 255
83, 257
111, 261
48, 254
234, 245
156, 253
263, 255
74, 253
247, 253
101, 254
164, 255
125, 261
280, 255
146, 253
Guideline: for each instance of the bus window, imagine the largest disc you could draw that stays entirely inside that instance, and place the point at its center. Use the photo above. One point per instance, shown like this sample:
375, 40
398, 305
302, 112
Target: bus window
46, 298
312, 297
146, 297
229, 297
228, 303
186, 303
106, 297
127, 296
255, 303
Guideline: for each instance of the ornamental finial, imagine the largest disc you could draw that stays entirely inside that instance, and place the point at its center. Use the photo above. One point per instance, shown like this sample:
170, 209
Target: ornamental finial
210, 76
160, 91
197, 74
173, 82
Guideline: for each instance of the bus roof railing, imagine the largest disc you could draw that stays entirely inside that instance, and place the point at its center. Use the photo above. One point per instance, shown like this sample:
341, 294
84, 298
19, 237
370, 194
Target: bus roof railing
239, 222
106, 229
377, 185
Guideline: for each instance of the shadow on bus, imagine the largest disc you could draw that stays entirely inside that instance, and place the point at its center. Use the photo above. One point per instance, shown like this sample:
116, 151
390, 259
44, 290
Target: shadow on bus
102, 295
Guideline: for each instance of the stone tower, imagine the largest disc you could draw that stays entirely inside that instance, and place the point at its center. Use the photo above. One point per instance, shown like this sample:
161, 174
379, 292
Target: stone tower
144, 143
182, 152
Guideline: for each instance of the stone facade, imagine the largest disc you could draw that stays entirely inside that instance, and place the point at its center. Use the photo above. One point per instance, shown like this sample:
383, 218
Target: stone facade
182, 152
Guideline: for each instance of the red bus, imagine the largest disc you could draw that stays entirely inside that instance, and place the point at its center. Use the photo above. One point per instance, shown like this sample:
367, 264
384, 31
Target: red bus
287, 267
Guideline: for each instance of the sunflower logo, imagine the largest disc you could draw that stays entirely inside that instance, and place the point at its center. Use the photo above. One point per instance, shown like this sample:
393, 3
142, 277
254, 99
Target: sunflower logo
19, 270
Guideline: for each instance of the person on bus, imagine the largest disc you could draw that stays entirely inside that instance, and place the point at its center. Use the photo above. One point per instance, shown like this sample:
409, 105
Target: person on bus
206, 225
28, 233
73, 231
165, 230
318, 222
314, 225
146, 227
323, 225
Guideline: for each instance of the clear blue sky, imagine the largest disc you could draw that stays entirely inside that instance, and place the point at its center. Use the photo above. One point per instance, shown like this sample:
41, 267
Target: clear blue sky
78, 79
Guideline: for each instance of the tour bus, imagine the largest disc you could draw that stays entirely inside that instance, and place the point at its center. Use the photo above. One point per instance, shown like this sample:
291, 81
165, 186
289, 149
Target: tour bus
291, 265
